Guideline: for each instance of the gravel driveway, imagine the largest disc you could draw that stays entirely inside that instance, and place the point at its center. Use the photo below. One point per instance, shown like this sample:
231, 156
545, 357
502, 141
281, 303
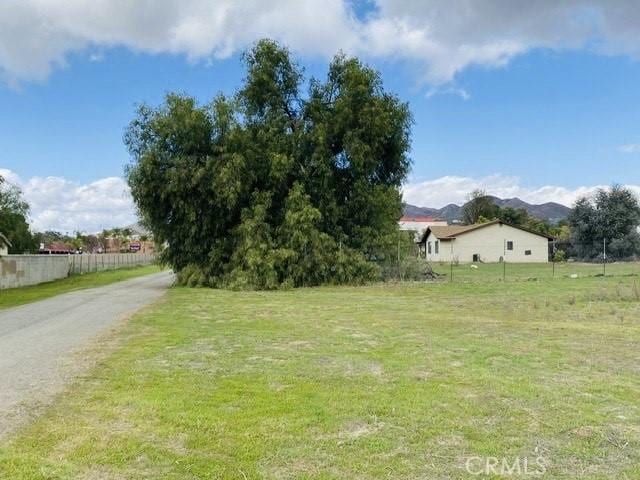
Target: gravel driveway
39, 342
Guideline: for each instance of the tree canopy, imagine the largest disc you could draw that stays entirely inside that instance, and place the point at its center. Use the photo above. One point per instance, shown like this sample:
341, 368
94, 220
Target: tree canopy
612, 215
479, 206
14, 224
277, 185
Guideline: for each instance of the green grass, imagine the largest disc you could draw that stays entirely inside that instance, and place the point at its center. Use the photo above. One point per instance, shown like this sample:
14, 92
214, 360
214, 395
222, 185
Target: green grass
386, 381
532, 271
19, 296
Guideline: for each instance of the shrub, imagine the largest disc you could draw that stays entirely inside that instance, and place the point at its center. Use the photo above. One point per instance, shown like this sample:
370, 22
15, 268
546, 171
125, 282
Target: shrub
559, 256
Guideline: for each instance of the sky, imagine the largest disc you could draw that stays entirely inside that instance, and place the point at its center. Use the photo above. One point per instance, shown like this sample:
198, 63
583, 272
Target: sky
537, 100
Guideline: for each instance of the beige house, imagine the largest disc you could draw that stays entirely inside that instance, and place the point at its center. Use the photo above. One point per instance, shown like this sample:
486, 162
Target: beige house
4, 245
486, 242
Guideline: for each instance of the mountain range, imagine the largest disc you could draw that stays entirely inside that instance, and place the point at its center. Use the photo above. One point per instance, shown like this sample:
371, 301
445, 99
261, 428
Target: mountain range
550, 211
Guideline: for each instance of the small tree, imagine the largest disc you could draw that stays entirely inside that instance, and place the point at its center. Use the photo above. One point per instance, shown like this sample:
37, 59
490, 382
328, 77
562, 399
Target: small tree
479, 205
559, 256
513, 216
14, 213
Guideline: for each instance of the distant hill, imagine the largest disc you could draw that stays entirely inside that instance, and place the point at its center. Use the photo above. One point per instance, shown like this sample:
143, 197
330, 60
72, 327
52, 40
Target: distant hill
550, 211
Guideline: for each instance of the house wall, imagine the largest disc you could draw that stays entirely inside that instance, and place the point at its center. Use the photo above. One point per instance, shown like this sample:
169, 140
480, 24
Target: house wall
444, 249
489, 243
4, 250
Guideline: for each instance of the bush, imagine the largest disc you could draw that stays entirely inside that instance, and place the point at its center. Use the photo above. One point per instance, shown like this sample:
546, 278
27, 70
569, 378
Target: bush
192, 276
559, 256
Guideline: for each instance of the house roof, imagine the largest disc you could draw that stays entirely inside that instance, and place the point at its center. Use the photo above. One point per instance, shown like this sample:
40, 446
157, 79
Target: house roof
59, 247
451, 232
4, 240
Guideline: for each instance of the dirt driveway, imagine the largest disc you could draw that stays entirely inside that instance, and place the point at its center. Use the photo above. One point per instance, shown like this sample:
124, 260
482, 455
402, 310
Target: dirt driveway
39, 342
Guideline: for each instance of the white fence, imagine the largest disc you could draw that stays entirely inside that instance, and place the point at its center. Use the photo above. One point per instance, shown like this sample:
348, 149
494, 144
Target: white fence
24, 270
107, 261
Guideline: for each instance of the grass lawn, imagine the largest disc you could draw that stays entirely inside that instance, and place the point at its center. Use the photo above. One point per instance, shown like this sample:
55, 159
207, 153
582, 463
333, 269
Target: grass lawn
400, 381
19, 296
532, 271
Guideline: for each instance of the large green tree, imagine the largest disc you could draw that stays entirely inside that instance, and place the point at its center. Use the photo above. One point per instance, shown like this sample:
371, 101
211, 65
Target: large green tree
479, 206
14, 224
611, 215
278, 184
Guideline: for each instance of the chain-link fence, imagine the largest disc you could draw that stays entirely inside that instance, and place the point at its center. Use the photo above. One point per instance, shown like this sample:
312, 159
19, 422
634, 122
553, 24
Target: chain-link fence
503, 260
506, 271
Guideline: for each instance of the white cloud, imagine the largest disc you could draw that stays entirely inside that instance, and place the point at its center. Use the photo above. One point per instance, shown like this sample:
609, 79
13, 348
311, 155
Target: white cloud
60, 204
96, 57
454, 189
37, 35
63, 205
441, 38
460, 92
630, 148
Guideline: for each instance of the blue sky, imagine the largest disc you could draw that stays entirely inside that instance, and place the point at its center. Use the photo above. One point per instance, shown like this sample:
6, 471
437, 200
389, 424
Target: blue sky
544, 116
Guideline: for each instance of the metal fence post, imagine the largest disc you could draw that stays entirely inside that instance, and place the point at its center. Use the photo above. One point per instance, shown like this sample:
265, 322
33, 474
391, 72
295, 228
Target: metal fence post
451, 263
504, 260
604, 257
399, 268
553, 259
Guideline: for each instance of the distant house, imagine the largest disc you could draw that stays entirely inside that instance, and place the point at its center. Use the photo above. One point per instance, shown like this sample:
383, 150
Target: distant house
56, 248
4, 245
419, 223
131, 244
486, 242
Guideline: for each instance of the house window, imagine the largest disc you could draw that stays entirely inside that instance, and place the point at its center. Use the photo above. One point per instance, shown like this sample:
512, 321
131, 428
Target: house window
437, 245
429, 248
527, 252
510, 245
476, 257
